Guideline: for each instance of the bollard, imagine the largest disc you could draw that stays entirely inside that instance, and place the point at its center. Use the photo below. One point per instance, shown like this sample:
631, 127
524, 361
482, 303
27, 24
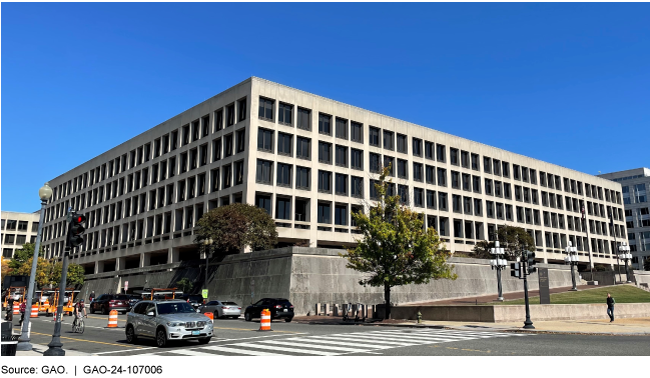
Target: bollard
54, 315
265, 320
327, 309
34, 313
209, 315
112, 319
317, 309
419, 317
16, 309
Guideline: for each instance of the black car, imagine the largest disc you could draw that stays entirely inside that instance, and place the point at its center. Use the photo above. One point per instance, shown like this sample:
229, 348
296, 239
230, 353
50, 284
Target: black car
196, 300
133, 299
279, 307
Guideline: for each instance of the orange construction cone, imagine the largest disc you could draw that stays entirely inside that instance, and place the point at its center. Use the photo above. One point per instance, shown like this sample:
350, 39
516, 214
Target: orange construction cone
16, 309
209, 315
112, 319
34, 313
265, 320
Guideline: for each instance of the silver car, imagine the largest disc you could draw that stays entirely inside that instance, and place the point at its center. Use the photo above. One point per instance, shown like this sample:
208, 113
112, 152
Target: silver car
222, 309
167, 321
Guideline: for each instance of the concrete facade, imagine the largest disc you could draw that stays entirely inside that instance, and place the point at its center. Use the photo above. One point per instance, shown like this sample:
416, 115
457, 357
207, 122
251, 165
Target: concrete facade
635, 188
17, 229
309, 161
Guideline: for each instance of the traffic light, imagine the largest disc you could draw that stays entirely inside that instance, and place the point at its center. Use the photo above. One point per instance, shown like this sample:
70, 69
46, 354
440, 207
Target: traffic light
531, 262
76, 230
515, 270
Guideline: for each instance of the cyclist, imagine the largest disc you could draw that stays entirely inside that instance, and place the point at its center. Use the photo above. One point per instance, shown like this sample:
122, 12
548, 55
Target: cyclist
77, 311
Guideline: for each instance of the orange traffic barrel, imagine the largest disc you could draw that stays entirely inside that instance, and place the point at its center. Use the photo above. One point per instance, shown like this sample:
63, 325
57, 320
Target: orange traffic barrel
265, 320
209, 315
16, 309
112, 319
34, 313
54, 315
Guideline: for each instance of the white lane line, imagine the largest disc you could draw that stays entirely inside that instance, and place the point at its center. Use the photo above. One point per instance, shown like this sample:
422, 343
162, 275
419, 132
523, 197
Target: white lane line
191, 352
380, 338
355, 344
366, 340
242, 351
329, 347
284, 349
416, 338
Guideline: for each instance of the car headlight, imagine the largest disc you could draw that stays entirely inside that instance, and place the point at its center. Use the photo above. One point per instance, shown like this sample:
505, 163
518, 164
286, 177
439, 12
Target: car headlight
175, 324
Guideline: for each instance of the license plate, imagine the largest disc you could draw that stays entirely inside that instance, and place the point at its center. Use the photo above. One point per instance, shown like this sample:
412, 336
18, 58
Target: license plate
285, 310
195, 333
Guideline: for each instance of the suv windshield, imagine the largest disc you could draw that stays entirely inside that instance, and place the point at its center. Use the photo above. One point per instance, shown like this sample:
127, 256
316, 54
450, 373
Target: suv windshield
174, 308
195, 298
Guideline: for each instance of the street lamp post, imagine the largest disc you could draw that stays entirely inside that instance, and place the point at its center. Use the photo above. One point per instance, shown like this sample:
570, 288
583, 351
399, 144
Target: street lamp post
625, 255
207, 243
45, 193
498, 264
572, 259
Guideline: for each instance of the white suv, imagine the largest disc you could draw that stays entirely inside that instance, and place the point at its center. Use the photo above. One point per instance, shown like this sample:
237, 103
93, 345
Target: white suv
166, 321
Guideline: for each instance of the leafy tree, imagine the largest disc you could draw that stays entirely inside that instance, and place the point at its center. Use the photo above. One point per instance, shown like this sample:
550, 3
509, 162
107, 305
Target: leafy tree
6, 270
237, 226
512, 239
24, 254
395, 250
482, 250
185, 285
646, 263
44, 271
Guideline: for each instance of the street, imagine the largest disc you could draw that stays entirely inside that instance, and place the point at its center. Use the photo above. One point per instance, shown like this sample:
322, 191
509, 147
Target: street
236, 337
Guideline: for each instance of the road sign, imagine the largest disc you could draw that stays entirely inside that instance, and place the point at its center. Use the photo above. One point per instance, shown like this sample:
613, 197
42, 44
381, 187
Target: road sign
126, 285
204, 293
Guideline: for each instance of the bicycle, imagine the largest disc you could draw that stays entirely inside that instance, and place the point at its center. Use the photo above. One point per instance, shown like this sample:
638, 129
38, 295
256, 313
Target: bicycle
79, 326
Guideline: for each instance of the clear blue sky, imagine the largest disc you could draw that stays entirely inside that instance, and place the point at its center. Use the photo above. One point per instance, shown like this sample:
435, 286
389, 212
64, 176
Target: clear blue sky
564, 83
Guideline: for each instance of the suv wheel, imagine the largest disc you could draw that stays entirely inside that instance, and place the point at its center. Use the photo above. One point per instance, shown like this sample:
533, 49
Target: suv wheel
92, 309
248, 317
161, 338
205, 340
105, 310
131, 338
288, 319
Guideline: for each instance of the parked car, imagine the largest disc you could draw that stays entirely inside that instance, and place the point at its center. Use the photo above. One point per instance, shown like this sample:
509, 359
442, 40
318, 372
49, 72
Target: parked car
222, 309
167, 321
108, 302
133, 299
279, 307
196, 300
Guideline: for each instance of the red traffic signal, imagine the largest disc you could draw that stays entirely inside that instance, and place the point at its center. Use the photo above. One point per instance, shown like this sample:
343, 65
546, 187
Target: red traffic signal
76, 230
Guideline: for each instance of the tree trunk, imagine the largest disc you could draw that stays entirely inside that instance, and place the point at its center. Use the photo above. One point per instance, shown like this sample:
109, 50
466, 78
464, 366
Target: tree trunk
387, 299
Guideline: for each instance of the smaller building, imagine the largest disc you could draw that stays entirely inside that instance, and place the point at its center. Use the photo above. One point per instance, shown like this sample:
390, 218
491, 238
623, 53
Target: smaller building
17, 229
635, 185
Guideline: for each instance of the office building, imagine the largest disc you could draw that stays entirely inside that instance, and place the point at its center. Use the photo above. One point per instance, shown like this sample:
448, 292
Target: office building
310, 162
17, 229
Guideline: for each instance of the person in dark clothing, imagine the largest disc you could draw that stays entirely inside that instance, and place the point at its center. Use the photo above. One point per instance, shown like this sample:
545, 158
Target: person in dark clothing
92, 296
610, 307
9, 316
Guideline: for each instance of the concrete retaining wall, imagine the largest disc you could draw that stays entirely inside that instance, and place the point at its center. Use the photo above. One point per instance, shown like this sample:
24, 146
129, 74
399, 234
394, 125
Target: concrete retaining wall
515, 313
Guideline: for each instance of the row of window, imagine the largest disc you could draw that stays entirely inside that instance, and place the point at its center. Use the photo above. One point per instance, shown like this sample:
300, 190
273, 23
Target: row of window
210, 123
18, 239
14, 225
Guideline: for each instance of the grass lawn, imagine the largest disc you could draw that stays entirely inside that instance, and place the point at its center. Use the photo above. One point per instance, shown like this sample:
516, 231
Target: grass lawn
620, 293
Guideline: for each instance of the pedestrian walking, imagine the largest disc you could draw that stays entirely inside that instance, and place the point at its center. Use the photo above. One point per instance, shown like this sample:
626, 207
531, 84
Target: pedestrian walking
9, 314
92, 296
23, 307
610, 307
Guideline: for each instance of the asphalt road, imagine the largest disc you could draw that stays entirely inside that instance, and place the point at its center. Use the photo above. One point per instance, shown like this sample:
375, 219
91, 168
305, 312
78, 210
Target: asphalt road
238, 337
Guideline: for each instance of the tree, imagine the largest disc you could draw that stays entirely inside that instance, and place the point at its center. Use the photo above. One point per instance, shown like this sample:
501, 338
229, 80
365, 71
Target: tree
185, 285
482, 250
6, 270
236, 227
513, 239
24, 254
646, 263
395, 250
44, 271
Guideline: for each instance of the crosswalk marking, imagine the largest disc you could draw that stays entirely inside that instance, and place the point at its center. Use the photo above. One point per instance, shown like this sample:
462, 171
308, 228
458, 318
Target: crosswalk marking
334, 344
241, 351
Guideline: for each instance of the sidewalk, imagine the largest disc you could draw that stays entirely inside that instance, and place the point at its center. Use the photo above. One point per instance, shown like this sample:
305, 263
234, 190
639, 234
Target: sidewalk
37, 350
628, 327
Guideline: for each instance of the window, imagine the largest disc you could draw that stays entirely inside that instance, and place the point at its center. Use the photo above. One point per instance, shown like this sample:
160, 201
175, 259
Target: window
402, 168
284, 174
266, 109
285, 114
506, 169
417, 172
487, 164
342, 156
264, 140
324, 124
341, 215
440, 152
285, 142
430, 174
303, 148
442, 177
467, 205
356, 159
477, 207
283, 208
325, 181
431, 199
241, 140
442, 201
455, 180
218, 123
216, 151
227, 145
341, 184
453, 156
464, 159
373, 136
204, 156
418, 197
303, 178
230, 115
356, 134
264, 171
456, 203
304, 119
533, 177
402, 144
403, 193
324, 212
466, 182
476, 184
389, 162
417, 147
241, 111
356, 187
22, 225
341, 128
389, 140
325, 152
428, 150
375, 162
516, 172
263, 201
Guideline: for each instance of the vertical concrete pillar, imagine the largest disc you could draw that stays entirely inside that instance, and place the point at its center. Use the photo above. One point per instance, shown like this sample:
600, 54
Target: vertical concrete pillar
99, 267
317, 312
172, 255
119, 264
327, 309
145, 260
